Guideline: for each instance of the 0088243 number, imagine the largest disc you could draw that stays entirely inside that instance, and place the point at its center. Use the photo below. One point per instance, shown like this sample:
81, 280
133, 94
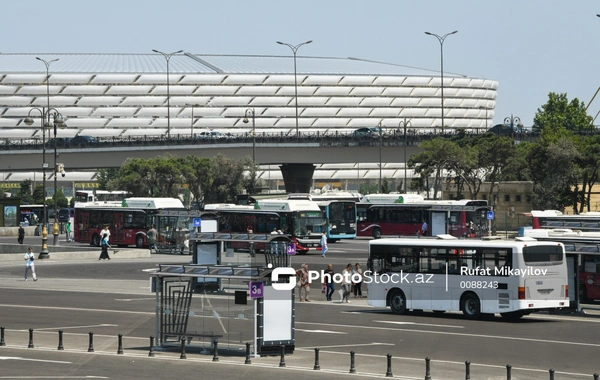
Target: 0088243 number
479, 284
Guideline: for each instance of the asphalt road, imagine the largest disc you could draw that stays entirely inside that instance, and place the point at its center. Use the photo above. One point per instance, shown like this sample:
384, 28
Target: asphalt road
111, 298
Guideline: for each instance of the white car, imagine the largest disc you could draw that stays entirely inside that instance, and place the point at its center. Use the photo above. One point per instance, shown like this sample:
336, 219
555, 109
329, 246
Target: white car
210, 135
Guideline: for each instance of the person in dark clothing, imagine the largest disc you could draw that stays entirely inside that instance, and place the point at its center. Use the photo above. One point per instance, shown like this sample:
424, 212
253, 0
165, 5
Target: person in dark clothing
21, 234
105, 246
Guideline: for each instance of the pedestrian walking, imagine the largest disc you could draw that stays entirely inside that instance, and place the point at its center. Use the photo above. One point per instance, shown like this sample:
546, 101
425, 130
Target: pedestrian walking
424, 228
106, 231
346, 283
303, 283
21, 236
357, 273
68, 231
29, 266
324, 247
328, 282
105, 246
151, 236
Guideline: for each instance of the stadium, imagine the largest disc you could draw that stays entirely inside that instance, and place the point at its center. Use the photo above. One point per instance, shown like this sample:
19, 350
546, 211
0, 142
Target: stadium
123, 95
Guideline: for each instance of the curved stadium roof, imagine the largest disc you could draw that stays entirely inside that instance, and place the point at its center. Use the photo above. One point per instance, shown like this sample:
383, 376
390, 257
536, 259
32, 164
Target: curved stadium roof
108, 95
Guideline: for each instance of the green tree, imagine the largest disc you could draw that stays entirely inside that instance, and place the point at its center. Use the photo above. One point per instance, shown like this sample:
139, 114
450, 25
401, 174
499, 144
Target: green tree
104, 176
26, 192
227, 179
559, 115
432, 160
588, 163
197, 174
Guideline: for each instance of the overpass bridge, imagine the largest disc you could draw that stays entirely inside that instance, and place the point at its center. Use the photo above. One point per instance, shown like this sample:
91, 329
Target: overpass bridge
296, 156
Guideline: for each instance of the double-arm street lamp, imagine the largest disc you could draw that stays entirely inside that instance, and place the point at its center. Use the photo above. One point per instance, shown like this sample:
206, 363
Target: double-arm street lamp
294, 50
50, 118
251, 112
168, 58
512, 122
404, 124
441, 40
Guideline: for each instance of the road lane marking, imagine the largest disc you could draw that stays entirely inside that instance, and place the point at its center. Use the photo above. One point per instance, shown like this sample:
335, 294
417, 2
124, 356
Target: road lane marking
420, 324
33, 360
73, 327
322, 331
78, 309
348, 345
470, 335
135, 299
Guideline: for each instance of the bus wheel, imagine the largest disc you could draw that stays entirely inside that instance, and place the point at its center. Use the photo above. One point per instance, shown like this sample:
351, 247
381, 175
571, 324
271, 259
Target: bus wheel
582, 293
471, 307
139, 241
398, 302
95, 240
513, 315
376, 233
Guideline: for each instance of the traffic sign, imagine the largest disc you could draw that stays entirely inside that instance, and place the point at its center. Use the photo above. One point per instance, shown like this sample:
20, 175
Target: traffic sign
197, 222
490, 215
256, 289
291, 249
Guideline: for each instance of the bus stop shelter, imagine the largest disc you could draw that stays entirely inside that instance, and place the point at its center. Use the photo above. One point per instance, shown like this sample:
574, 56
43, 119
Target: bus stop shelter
226, 293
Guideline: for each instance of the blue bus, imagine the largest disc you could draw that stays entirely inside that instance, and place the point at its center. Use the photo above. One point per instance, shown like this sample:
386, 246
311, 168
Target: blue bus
341, 219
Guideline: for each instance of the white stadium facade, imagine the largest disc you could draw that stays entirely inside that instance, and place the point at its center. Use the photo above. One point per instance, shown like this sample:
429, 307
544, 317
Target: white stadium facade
122, 95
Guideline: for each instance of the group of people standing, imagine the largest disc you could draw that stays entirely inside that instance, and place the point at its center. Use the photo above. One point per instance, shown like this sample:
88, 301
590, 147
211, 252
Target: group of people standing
348, 286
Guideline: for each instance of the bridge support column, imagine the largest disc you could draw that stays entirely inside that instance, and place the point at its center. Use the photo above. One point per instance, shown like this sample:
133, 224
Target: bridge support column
297, 177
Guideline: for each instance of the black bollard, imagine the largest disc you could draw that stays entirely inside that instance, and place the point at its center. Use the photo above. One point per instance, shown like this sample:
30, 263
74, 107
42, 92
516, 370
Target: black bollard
60, 340
248, 361
352, 367
508, 372
467, 370
317, 365
120, 348
216, 350
282, 360
427, 369
596, 376
91, 347
183, 355
151, 353
388, 373
30, 339
551, 373
2, 342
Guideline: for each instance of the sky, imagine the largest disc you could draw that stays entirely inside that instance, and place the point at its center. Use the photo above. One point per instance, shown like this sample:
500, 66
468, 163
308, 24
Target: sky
530, 47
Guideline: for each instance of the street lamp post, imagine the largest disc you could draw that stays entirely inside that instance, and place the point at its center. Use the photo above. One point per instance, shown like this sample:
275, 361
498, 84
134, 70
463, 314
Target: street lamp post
168, 58
513, 121
381, 129
294, 50
192, 124
404, 124
486, 118
48, 118
441, 40
251, 112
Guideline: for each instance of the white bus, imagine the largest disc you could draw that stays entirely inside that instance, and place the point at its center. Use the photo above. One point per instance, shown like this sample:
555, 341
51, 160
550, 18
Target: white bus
510, 277
103, 196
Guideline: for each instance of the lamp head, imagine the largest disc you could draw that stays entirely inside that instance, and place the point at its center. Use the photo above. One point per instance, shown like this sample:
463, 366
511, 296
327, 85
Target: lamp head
245, 120
28, 120
429, 34
456, 31
181, 51
308, 42
154, 50
280, 43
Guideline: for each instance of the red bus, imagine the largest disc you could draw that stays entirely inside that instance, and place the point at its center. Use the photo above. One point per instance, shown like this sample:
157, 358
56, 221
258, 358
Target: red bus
589, 221
457, 218
128, 221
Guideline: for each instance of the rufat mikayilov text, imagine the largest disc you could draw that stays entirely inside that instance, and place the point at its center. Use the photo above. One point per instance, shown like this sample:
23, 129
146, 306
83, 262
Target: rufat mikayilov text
367, 277
503, 271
